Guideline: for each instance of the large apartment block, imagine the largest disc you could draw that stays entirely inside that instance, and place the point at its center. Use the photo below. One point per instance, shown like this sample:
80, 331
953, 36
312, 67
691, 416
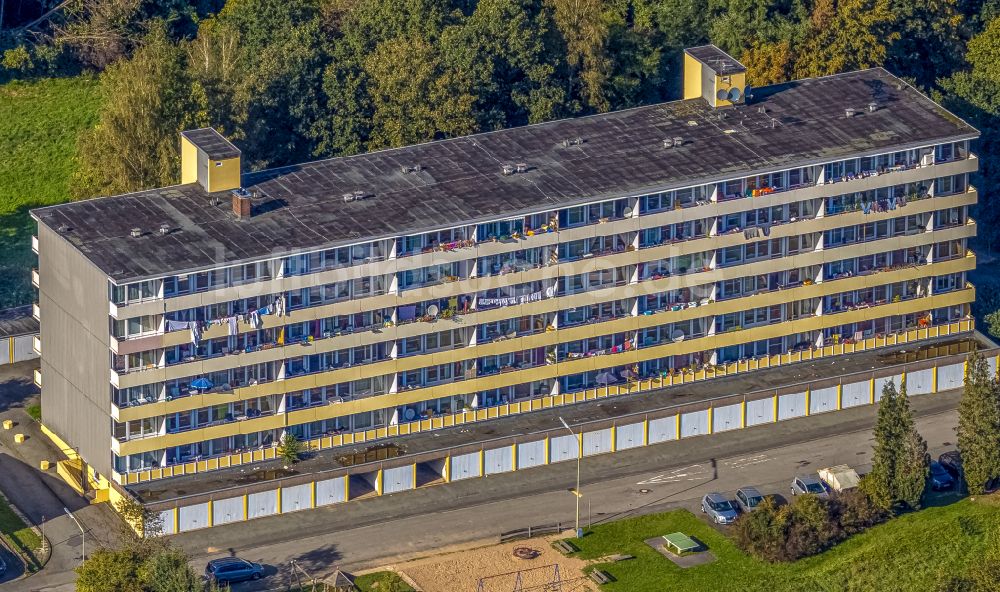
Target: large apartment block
358, 295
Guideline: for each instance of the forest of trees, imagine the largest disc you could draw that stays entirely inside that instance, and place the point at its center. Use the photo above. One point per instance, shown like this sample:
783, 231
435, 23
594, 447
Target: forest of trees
294, 80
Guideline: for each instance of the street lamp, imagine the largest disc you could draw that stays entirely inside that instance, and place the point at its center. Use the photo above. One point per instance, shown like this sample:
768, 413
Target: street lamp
576, 492
83, 535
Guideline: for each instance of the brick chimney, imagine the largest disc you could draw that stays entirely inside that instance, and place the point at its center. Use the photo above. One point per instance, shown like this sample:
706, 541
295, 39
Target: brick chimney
242, 208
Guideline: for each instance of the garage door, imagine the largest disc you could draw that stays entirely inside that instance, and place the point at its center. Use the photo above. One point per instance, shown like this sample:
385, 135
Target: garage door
951, 377
920, 382
597, 442
464, 466
397, 479
193, 517
881, 382
530, 454
628, 436
694, 423
855, 394
225, 511
499, 460
296, 497
563, 448
823, 400
726, 417
261, 504
793, 405
760, 411
662, 429
330, 491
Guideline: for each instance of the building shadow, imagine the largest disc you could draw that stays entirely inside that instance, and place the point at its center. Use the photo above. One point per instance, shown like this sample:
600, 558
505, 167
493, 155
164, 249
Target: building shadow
17, 386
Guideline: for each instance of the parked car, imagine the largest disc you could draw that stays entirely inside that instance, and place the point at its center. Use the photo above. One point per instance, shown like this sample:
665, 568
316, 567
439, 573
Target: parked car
952, 462
748, 498
3, 567
719, 509
233, 569
940, 477
808, 484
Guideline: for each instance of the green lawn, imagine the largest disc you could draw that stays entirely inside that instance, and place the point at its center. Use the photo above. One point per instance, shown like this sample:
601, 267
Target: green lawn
18, 534
381, 581
39, 124
903, 555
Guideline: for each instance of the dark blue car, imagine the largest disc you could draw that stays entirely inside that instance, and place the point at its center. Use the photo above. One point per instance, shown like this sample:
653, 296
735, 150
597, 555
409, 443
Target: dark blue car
940, 477
232, 569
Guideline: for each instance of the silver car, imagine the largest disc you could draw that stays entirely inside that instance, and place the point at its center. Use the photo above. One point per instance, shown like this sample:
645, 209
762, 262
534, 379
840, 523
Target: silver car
719, 509
748, 498
809, 484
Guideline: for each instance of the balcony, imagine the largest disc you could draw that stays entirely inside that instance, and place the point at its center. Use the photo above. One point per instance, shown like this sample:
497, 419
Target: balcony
34, 277
36, 311
34, 244
37, 377
36, 344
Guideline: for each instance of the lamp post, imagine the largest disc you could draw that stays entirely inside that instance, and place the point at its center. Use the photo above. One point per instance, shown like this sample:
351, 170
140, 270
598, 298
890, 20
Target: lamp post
579, 456
83, 535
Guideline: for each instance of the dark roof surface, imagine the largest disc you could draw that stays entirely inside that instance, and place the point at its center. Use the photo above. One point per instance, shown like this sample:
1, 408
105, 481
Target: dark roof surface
302, 207
17, 321
716, 59
212, 143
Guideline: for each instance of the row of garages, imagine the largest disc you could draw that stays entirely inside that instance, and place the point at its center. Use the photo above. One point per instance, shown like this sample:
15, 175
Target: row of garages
495, 458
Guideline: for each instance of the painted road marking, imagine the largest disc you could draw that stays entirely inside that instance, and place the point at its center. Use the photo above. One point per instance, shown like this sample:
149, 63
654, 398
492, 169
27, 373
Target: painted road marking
691, 473
739, 463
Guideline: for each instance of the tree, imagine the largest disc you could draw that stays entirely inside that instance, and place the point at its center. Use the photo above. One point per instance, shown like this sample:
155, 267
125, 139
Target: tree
417, 95
140, 565
900, 463
974, 94
584, 29
139, 521
979, 425
135, 145
108, 570
914, 469
846, 35
290, 448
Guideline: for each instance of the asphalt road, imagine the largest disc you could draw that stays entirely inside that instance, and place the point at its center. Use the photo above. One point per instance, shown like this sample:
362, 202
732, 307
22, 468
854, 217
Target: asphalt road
380, 531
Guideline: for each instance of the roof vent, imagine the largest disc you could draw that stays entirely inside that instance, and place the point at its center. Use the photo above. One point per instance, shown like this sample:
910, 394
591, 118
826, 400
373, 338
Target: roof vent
521, 167
355, 196
135, 232
164, 229
762, 109
678, 141
572, 142
411, 169
849, 112
872, 107
508, 169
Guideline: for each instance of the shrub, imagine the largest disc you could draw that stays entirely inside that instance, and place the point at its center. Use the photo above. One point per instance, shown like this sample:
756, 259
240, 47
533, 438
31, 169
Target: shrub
804, 527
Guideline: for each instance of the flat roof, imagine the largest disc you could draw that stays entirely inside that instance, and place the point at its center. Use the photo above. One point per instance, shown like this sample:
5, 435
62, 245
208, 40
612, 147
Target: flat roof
460, 181
719, 61
18, 321
212, 143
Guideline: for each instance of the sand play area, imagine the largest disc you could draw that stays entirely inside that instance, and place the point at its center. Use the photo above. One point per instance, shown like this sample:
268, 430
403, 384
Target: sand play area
460, 571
